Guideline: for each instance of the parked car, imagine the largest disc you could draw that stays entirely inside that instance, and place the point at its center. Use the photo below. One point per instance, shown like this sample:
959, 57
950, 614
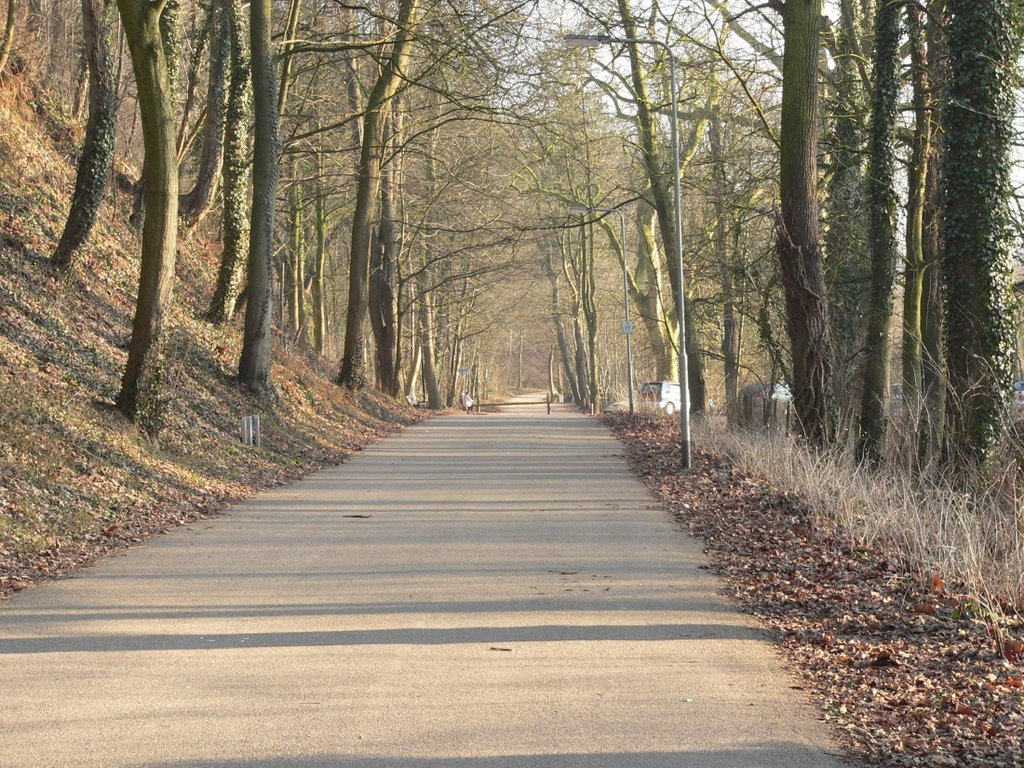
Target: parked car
1018, 394
664, 395
781, 393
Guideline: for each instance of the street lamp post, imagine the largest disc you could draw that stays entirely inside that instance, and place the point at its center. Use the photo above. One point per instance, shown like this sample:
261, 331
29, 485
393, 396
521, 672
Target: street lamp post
627, 325
596, 41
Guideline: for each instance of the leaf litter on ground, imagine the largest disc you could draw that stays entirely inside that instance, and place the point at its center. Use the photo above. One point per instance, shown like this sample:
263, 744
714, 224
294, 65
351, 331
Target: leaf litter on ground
906, 670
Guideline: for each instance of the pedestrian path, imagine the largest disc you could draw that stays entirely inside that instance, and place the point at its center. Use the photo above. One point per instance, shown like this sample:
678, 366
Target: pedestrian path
482, 591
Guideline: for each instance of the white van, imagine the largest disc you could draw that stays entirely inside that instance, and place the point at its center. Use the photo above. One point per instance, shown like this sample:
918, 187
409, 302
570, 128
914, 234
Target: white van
662, 394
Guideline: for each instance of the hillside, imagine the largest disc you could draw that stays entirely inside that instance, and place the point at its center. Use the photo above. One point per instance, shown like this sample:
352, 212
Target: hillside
76, 478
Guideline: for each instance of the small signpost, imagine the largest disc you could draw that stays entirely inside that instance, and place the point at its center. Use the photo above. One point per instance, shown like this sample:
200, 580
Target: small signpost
250, 432
627, 327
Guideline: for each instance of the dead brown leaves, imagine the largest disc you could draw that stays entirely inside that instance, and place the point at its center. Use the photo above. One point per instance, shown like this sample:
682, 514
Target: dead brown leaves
907, 671
77, 479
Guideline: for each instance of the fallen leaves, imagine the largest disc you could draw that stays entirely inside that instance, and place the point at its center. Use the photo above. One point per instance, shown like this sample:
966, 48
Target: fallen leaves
904, 668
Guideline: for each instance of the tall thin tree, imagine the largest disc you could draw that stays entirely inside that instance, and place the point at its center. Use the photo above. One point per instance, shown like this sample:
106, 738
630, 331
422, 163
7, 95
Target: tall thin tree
254, 365
983, 47
140, 396
98, 148
798, 236
882, 203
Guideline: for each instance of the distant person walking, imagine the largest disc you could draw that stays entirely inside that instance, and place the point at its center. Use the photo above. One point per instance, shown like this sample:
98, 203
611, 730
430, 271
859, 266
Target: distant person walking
466, 401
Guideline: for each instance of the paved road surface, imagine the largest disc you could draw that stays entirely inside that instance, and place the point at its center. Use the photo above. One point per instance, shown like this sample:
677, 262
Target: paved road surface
489, 591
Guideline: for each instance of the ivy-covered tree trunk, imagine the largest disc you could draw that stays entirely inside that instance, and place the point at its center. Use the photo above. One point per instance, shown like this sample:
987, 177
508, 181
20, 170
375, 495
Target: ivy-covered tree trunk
847, 265
882, 204
140, 397
798, 237
352, 373
983, 48
235, 212
254, 365
196, 202
98, 148
933, 362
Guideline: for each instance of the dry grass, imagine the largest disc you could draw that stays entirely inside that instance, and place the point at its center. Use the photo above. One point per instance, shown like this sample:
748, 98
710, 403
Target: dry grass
925, 520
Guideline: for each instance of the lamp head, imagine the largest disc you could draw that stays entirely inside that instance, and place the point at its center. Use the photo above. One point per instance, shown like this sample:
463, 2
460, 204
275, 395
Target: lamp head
576, 209
586, 41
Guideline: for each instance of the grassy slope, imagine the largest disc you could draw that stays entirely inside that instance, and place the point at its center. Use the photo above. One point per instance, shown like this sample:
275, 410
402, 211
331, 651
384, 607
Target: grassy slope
77, 479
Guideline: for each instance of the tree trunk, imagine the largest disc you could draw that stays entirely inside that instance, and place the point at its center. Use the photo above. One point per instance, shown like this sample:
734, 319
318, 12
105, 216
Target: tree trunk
659, 319
140, 397
194, 204
882, 204
799, 254
235, 214
933, 378
917, 184
730, 317
563, 346
291, 30
8, 39
426, 321
295, 257
588, 293
98, 149
254, 365
383, 263
352, 373
847, 265
582, 378
320, 260
977, 223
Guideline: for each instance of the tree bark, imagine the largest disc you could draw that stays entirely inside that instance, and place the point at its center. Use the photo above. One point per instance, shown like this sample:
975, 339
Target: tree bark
983, 48
295, 258
7, 42
140, 398
563, 345
235, 192
352, 373
383, 263
730, 317
429, 361
798, 237
98, 150
254, 365
588, 291
319, 307
196, 202
646, 287
847, 265
933, 363
882, 204
917, 184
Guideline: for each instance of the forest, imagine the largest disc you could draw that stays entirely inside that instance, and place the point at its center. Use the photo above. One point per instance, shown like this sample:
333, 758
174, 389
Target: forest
439, 198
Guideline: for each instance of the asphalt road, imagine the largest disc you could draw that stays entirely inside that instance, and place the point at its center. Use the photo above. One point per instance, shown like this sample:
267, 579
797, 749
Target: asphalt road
483, 591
